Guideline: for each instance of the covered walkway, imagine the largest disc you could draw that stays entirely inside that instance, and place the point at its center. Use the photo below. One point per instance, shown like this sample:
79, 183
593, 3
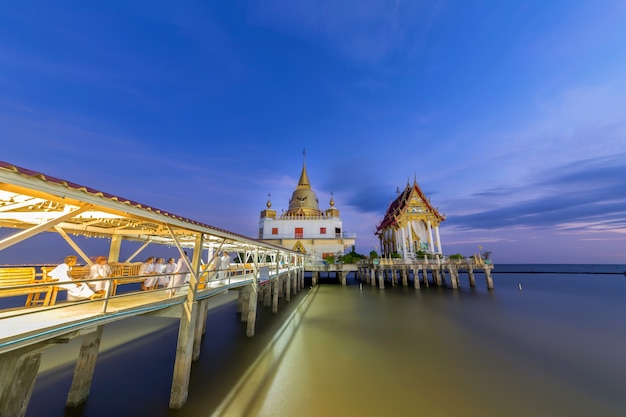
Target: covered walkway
32, 203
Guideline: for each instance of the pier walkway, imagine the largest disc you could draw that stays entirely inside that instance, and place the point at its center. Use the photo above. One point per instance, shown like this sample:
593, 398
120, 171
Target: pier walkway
32, 203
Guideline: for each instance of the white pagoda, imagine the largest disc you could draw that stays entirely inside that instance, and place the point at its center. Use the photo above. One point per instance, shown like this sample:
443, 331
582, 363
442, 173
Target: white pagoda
304, 227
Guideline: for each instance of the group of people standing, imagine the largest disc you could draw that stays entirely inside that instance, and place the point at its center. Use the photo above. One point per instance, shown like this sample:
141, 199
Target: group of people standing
159, 274
170, 275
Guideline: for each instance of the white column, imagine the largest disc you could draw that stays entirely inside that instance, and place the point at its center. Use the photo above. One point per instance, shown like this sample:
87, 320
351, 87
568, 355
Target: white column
403, 243
430, 237
438, 239
411, 244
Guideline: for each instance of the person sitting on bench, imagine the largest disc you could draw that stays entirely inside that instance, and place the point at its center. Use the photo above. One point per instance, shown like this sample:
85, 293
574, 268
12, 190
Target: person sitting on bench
76, 291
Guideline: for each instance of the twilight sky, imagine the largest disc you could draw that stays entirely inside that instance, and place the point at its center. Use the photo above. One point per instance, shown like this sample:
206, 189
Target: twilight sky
511, 115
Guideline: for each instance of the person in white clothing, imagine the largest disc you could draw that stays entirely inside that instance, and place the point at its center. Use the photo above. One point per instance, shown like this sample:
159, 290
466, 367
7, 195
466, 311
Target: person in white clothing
181, 274
76, 290
147, 268
100, 269
159, 270
170, 267
224, 265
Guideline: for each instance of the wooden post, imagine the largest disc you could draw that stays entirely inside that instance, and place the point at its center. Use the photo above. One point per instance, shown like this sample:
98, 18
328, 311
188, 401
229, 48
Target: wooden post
85, 366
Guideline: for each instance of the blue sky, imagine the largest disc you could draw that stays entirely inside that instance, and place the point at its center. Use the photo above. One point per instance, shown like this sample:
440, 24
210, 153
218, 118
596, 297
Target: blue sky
511, 115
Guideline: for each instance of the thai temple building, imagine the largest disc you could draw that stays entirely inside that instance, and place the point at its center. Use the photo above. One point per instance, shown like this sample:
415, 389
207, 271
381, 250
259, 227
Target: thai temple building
411, 225
304, 227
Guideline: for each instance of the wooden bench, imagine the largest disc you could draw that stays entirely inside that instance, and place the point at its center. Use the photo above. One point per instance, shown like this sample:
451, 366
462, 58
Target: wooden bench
10, 277
125, 273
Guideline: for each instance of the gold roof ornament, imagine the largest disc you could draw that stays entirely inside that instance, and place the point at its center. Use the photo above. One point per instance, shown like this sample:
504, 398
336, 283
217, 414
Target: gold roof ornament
303, 200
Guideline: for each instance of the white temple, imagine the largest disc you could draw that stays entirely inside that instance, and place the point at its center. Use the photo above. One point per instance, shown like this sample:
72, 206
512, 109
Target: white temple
304, 227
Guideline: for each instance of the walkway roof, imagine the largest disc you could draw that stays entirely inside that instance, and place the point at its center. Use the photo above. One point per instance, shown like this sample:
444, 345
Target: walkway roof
37, 202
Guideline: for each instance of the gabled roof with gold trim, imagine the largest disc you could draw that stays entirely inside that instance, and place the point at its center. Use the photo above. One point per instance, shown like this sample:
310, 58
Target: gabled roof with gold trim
412, 194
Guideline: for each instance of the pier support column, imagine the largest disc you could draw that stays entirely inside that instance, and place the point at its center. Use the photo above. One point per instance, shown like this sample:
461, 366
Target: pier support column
246, 303
18, 370
252, 305
275, 296
381, 279
85, 366
488, 278
267, 294
294, 278
373, 276
394, 278
405, 278
315, 277
240, 302
288, 289
454, 282
470, 274
200, 329
425, 277
184, 352
416, 278
436, 277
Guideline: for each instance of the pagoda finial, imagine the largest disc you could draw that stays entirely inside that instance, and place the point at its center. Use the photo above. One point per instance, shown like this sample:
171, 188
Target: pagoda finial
398, 190
414, 178
332, 201
269, 203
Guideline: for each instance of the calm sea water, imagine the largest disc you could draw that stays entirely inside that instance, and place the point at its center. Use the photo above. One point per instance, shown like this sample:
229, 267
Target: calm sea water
554, 348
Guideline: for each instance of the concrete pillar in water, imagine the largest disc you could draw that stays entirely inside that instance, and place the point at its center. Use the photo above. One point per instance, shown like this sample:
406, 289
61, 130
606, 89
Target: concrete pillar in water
453, 280
240, 302
373, 276
315, 276
416, 278
18, 370
470, 274
267, 294
252, 305
405, 277
246, 303
381, 279
288, 289
394, 279
85, 366
200, 325
295, 283
488, 278
275, 296
184, 351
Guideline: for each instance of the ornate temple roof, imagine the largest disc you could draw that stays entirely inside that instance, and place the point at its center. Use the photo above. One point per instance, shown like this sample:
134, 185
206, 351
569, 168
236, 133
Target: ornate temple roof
303, 200
411, 198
